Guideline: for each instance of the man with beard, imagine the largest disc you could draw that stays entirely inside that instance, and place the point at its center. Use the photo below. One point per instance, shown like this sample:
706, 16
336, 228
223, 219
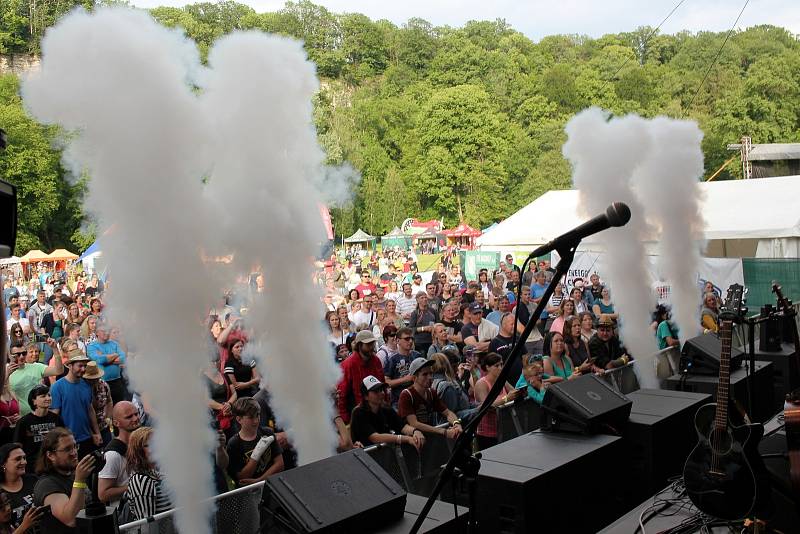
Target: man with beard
434, 302
359, 365
450, 321
72, 400
112, 480
605, 348
63, 481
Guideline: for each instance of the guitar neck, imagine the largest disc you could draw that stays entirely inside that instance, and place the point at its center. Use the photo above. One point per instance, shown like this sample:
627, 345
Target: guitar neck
725, 334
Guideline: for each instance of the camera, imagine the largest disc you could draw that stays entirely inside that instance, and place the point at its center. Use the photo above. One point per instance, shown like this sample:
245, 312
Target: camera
40, 338
99, 460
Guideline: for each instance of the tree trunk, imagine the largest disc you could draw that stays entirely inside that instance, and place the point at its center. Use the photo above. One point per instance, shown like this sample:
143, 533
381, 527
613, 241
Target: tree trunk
460, 212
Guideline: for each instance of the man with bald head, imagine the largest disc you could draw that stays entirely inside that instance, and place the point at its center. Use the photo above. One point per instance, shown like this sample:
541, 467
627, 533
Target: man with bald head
113, 478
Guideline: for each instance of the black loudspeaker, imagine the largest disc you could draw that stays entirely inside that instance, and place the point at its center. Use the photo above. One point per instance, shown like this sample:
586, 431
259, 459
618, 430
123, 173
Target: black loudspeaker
701, 354
8, 219
585, 404
344, 493
769, 335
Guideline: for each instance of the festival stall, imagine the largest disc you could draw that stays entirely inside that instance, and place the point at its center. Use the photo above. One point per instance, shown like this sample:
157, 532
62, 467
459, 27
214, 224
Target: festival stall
396, 238
60, 257
11, 265
361, 238
427, 241
462, 236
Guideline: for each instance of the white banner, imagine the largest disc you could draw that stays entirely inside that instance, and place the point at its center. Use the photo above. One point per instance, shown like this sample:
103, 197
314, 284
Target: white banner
722, 272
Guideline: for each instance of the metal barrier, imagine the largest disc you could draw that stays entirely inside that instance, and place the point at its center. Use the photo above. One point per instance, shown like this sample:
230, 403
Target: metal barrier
517, 418
623, 379
236, 512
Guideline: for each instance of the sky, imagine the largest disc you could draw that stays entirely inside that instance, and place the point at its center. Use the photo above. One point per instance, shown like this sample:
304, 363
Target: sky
539, 18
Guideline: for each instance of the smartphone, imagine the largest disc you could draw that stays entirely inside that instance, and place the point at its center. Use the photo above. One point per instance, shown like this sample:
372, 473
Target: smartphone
40, 338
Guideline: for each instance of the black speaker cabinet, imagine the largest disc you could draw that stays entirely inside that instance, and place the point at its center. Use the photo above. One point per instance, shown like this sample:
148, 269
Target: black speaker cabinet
341, 494
702, 352
769, 332
585, 404
8, 219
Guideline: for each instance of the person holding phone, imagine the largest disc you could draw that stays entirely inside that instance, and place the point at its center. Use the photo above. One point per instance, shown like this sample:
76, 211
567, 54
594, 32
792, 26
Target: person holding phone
63, 481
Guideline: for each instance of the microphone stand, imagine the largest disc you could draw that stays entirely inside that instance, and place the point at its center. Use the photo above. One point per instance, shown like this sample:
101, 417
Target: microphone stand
462, 457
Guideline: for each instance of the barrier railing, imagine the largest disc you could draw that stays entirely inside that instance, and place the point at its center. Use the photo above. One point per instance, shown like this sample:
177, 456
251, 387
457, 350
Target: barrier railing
235, 512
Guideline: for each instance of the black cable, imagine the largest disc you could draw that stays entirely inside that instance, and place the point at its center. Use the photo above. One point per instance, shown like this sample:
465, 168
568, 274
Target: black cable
646, 41
711, 66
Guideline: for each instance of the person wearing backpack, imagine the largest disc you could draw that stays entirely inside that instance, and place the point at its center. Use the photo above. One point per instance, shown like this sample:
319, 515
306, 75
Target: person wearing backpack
448, 388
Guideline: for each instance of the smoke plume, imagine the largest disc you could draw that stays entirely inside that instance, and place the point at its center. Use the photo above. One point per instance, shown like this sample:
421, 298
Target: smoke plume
604, 154
150, 125
671, 194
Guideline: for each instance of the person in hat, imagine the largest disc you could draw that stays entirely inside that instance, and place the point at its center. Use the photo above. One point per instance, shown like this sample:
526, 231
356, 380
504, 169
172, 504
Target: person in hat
374, 422
419, 403
478, 332
72, 400
23, 377
605, 346
32, 428
101, 399
360, 364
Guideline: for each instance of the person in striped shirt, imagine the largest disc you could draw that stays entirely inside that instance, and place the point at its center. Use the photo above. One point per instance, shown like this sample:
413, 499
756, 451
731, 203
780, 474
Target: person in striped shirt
146, 492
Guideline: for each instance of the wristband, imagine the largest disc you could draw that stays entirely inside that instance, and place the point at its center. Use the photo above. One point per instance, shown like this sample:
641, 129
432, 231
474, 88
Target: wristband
399, 439
79, 485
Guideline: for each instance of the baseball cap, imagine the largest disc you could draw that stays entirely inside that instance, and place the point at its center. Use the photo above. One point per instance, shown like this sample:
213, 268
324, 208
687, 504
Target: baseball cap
419, 363
365, 336
475, 307
371, 383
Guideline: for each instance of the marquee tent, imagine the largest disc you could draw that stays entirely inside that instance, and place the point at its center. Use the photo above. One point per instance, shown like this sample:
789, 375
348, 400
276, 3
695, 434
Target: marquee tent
62, 254
34, 256
396, 238
744, 218
361, 237
463, 235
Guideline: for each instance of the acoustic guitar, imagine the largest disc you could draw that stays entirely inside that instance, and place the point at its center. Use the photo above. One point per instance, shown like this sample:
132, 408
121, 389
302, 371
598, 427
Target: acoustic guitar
718, 475
791, 408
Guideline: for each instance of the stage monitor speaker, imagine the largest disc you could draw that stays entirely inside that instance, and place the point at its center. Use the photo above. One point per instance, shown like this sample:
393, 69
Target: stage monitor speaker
347, 492
8, 219
769, 335
585, 404
702, 353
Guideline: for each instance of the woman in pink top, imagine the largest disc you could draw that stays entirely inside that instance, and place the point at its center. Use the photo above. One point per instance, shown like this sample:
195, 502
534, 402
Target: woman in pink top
565, 309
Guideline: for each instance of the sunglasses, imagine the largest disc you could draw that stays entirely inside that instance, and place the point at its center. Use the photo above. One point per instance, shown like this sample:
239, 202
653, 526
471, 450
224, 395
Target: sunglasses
405, 338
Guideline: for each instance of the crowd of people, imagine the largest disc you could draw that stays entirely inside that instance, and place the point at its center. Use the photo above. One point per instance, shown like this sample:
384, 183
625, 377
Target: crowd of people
418, 352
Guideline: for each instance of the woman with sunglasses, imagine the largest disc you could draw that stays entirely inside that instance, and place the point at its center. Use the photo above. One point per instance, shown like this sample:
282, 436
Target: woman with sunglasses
17, 336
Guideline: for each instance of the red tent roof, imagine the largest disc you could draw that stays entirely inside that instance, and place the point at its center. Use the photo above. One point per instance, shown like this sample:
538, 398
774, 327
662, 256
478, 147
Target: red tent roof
462, 230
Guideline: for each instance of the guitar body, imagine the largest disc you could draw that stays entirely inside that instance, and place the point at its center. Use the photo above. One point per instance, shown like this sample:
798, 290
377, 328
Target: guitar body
718, 475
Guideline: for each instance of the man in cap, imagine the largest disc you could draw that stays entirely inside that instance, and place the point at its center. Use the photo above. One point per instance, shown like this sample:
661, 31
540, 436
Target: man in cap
360, 364
72, 400
418, 403
416, 284
478, 332
605, 347
375, 422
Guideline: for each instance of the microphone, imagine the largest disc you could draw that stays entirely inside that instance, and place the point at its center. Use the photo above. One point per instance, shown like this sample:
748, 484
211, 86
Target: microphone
617, 214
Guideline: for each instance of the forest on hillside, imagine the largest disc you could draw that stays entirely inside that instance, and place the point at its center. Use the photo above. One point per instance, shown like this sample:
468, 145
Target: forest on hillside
441, 122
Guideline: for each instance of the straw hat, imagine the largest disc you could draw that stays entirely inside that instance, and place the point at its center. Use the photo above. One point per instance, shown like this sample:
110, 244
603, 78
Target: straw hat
75, 355
93, 371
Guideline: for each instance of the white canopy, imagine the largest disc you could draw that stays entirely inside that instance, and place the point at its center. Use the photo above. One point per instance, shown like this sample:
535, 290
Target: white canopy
738, 214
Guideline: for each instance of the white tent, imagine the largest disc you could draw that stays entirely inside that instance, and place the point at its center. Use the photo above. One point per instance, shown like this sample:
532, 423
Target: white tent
744, 218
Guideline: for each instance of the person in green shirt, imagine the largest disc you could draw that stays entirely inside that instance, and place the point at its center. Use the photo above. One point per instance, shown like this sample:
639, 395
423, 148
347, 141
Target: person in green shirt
23, 377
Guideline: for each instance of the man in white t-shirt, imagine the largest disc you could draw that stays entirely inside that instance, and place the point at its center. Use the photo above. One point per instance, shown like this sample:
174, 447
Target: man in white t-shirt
366, 315
112, 480
15, 318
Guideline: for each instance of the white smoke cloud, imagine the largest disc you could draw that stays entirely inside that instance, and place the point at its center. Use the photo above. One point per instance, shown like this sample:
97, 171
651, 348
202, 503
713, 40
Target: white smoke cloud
125, 88
671, 194
119, 81
604, 154
653, 166
267, 166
